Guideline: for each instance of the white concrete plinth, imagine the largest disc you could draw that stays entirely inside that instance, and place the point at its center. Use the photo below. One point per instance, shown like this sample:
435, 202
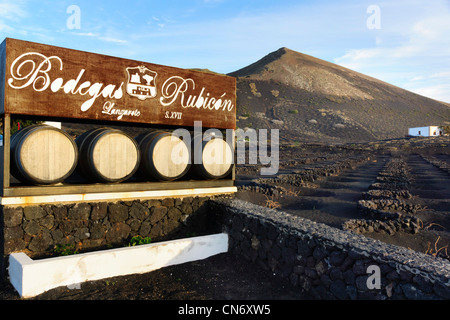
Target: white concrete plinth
113, 196
33, 277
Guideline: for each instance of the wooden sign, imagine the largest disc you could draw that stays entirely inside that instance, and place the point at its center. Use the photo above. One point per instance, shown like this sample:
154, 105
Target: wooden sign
42, 80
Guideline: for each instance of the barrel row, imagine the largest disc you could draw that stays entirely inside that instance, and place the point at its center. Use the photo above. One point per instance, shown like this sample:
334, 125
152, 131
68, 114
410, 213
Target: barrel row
41, 154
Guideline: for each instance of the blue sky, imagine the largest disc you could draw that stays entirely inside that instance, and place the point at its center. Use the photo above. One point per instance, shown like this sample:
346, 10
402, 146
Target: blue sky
402, 42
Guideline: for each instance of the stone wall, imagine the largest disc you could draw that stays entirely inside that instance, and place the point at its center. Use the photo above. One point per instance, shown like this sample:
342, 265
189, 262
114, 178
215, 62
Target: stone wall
329, 263
387, 204
325, 262
314, 172
36, 230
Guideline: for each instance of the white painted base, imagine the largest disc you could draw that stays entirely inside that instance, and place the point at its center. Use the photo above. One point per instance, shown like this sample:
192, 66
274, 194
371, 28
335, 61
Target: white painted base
33, 277
113, 196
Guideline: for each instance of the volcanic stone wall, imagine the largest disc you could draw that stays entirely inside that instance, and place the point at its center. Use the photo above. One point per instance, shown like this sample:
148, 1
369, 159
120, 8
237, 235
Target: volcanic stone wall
329, 263
443, 165
270, 186
37, 230
315, 172
386, 204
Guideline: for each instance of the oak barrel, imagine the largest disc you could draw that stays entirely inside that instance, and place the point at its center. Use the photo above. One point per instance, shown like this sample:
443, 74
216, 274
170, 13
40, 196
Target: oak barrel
107, 155
42, 154
212, 157
164, 157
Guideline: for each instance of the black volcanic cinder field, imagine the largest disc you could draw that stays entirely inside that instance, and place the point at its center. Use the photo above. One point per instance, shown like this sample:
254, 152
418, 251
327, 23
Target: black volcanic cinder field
397, 191
322, 183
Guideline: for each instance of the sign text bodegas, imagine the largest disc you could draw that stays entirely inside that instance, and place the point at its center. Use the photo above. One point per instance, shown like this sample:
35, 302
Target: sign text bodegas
42, 80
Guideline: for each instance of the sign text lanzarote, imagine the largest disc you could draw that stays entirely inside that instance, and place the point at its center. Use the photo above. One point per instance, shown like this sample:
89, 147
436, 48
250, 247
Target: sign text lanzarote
44, 80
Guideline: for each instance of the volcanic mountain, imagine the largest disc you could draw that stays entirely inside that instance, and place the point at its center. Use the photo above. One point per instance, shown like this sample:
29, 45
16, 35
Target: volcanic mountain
312, 100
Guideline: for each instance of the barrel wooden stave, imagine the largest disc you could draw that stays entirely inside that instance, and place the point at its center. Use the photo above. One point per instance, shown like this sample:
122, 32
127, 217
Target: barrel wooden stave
164, 157
107, 155
42, 154
212, 157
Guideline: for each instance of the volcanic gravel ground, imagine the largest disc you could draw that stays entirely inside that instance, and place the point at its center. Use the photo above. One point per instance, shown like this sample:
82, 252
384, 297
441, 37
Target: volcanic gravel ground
328, 199
332, 200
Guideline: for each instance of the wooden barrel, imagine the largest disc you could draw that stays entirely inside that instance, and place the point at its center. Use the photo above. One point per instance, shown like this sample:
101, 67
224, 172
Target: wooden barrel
212, 157
164, 157
107, 155
42, 154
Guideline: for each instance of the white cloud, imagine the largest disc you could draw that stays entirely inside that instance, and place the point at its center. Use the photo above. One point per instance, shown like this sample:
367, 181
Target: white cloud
425, 38
436, 85
356, 59
5, 27
413, 52
12, 10
100, 37
439, 92
417, 78
442, 74
86, 34
114, 40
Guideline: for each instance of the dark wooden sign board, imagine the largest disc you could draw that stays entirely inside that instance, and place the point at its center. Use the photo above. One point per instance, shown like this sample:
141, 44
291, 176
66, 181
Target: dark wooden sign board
43, 81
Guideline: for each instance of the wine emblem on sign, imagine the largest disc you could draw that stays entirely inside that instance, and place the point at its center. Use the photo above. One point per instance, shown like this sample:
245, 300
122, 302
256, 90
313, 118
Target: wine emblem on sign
141, 82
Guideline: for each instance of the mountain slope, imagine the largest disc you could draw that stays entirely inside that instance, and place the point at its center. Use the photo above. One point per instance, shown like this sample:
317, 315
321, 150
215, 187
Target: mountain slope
312, 100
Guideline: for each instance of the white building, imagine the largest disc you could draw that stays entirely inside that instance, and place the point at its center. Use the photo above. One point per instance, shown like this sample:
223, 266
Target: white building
430, 131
